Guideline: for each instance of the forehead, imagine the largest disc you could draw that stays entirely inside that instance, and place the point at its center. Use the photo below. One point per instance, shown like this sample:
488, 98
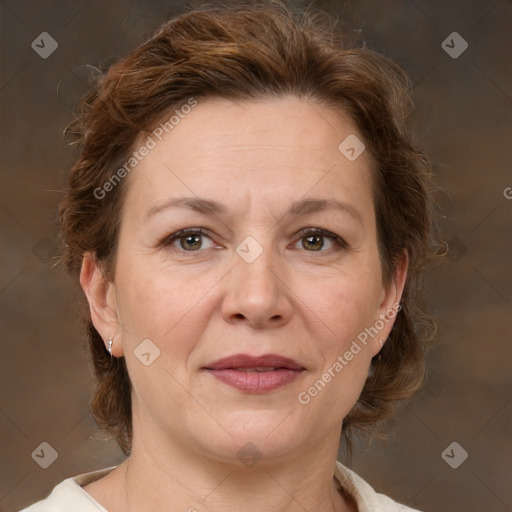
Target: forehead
275, 149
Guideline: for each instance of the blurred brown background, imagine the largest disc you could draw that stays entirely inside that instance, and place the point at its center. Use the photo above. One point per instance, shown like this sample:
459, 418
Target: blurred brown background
463, 120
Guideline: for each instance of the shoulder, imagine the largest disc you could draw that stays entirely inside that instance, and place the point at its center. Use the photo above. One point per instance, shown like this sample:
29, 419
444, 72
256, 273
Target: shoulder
365, 496
69, 495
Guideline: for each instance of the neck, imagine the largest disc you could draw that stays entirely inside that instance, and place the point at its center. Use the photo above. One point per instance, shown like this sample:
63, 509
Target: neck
182, 480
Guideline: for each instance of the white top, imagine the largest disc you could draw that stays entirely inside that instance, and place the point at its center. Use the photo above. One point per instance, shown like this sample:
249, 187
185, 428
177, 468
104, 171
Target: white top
69, 495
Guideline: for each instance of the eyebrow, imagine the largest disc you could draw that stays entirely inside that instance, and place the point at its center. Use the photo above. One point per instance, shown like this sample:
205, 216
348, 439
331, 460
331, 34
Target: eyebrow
297, 208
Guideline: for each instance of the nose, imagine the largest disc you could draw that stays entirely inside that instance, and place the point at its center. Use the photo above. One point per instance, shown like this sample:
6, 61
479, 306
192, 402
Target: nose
257, 293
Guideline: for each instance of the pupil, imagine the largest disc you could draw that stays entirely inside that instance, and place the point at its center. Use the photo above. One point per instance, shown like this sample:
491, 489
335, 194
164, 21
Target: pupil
315, 242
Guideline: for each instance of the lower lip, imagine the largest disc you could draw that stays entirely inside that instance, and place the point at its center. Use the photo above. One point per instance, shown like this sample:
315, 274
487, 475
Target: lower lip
256, 382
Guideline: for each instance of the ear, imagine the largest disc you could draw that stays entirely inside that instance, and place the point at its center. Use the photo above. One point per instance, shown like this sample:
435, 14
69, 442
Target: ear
390, 303
100, 294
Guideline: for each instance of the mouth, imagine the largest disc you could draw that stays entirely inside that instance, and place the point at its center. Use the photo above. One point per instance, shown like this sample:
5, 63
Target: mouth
255, 374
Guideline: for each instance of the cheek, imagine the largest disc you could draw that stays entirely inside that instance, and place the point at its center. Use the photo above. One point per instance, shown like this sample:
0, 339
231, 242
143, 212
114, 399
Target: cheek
335, 385
346, 301
158, 304
346, 305
167, 309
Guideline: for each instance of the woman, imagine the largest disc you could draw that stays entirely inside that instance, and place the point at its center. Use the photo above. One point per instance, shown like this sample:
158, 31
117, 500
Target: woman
250, 224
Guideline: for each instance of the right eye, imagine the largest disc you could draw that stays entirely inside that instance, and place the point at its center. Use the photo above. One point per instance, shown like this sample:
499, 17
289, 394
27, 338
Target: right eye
188, 240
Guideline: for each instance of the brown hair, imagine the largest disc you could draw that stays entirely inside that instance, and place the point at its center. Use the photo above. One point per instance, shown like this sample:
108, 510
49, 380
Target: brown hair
246, 51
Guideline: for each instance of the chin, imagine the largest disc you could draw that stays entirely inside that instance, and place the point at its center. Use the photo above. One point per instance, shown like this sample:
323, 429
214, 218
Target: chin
254, 436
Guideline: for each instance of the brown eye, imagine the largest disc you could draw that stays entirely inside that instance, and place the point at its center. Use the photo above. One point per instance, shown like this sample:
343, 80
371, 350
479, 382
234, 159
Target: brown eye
313, 242
320, 240
190, 242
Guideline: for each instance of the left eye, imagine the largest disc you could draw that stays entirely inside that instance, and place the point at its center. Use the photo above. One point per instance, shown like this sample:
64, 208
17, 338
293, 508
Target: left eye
314, 240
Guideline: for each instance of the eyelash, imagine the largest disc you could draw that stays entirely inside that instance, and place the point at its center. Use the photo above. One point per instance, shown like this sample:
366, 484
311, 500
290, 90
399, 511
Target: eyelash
303, 233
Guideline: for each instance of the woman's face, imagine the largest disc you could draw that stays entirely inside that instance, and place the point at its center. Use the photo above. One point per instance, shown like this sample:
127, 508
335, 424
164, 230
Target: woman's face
286, 266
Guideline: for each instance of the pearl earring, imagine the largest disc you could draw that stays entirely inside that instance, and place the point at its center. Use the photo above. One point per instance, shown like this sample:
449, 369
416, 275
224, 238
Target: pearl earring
110, 347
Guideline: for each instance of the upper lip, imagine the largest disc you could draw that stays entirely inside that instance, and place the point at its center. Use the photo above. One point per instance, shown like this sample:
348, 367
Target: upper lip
247, 361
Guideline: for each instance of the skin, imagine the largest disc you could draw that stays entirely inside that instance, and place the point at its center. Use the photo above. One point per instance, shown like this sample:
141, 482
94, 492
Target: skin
198, 306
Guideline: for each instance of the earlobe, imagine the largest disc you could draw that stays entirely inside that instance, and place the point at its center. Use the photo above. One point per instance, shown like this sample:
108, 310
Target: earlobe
99, 293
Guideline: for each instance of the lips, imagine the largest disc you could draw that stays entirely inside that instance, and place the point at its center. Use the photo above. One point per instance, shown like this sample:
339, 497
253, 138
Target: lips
255, 374
248, 362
